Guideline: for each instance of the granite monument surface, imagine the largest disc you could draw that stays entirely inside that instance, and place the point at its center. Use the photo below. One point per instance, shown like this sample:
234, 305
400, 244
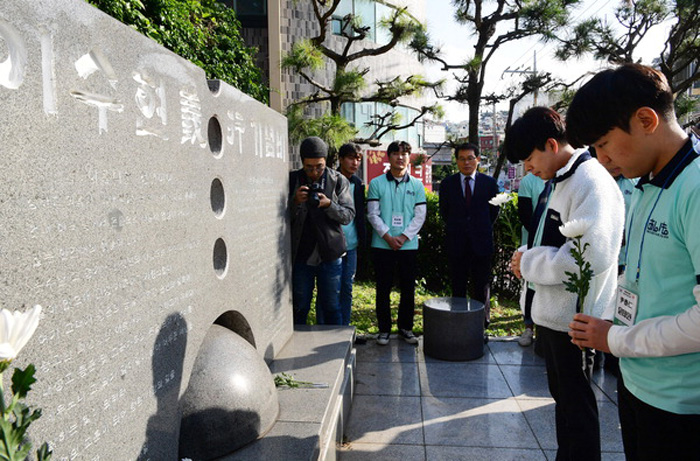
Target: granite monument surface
140, 205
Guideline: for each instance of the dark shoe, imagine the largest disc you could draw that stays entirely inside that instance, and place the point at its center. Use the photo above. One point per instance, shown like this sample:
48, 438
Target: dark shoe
408, 336
383, 339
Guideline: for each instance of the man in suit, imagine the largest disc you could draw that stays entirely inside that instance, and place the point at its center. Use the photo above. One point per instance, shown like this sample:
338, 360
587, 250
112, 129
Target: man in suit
469, 218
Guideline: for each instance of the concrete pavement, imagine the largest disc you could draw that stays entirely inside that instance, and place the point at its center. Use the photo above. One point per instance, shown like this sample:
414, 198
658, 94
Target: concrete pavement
412, 407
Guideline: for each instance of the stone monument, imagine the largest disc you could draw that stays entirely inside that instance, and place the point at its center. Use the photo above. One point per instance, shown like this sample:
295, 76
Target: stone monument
140, 205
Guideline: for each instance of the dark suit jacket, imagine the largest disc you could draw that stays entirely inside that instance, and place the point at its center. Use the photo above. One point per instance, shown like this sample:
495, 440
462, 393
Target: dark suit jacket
471, 226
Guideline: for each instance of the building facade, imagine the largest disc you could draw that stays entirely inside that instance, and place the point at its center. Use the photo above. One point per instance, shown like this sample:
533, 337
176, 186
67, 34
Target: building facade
275, 25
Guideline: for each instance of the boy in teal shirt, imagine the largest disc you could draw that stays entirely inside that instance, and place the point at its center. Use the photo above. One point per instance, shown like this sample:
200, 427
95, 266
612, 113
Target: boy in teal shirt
627, 115
396, 209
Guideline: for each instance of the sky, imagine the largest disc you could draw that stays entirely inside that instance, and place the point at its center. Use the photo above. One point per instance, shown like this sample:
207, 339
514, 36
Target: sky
457, 43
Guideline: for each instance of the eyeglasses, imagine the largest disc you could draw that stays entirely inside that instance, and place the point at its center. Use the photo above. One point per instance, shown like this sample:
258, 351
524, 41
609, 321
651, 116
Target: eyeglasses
312, 168
471, 158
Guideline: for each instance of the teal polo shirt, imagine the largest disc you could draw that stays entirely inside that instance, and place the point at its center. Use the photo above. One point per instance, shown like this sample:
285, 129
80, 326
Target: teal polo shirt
396, 198
530, 187
350, 231
627, 188
663, 229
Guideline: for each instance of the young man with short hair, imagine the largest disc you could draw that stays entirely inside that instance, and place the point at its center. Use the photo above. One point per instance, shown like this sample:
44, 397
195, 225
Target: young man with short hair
577, 188
350, 157
529, 192
627, 114
396, 209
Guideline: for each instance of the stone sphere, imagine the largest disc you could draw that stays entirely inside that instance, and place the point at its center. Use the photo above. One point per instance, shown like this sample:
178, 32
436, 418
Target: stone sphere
231, 399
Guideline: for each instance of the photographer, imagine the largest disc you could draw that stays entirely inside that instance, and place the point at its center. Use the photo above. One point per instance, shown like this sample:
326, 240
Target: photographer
320, 203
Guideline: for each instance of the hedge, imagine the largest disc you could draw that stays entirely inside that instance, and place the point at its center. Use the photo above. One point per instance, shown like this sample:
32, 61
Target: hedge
433, 272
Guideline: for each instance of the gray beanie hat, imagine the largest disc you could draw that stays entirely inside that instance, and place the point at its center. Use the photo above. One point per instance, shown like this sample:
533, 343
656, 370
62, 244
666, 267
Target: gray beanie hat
313, 147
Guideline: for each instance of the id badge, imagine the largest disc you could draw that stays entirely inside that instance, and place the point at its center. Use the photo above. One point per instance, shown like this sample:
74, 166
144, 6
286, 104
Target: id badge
626, 306
397, 220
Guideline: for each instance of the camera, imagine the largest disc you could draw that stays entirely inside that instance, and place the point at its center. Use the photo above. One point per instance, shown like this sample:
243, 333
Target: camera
314, 199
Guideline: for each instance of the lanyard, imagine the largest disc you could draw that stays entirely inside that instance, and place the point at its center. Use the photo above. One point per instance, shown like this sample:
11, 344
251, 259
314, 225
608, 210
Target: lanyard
646, 225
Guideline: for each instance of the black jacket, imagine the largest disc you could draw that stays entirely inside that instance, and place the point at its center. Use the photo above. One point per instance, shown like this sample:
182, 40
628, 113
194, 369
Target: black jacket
326, 221
473, 225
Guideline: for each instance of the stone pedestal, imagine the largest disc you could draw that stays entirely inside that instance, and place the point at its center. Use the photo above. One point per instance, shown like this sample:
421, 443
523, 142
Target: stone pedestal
453, 329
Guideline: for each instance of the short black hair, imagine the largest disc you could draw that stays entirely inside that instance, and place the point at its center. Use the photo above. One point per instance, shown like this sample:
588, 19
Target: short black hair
467, 146
610, 99
531, 131
396, 146
349, 149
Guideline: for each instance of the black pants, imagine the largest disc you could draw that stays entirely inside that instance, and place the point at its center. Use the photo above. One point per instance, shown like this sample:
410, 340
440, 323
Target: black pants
649, 433
527, 314
386, 263
466, 266
576, 410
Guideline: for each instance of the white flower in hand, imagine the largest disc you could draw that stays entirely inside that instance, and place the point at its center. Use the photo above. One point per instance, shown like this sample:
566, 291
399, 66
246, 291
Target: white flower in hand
575, 228
16, 328
501, 199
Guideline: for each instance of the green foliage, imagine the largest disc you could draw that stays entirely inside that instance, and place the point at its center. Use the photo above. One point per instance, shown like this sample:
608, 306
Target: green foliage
287, 380
22, 381
432, 257
206, 32
597, 36
16, 418
506, 235
349, 83
506, 317
579, 283
304, 55
333, 129
349, 57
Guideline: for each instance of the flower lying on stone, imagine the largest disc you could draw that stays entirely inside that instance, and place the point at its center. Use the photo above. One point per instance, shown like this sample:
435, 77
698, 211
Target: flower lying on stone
575, 228
16, 328
501, 199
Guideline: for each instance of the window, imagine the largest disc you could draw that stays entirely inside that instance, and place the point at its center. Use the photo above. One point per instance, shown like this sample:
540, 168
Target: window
364, 10
250, 7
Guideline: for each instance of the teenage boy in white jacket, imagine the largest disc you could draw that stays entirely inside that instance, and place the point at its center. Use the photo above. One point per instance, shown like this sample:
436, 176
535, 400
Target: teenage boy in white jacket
657, 318
577, 188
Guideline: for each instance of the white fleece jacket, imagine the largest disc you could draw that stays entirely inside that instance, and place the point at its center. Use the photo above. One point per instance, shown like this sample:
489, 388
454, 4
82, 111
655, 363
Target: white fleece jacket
590, 194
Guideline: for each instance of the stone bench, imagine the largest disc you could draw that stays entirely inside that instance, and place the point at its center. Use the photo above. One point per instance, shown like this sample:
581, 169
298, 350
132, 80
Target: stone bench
310, 421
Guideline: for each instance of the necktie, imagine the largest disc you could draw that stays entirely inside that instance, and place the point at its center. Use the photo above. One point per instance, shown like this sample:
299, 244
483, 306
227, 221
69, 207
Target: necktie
467, 191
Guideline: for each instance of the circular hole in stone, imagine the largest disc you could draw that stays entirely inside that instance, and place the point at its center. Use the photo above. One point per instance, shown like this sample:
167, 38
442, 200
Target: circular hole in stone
220, 258
217, 197
215, 137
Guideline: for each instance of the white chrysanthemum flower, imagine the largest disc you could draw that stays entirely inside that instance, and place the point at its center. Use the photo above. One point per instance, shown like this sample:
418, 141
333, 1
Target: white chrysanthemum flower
16, 328
501, 199
575, 228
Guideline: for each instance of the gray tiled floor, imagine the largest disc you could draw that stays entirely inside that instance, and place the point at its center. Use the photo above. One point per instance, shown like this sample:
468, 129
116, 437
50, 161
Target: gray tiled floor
408, 406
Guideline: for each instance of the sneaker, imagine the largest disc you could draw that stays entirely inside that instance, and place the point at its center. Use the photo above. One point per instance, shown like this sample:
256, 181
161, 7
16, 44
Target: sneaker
408, 336
383, 339
525, 339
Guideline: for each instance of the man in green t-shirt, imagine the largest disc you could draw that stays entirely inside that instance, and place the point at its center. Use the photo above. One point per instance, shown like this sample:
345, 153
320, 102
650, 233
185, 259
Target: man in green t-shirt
627, 115
396, 209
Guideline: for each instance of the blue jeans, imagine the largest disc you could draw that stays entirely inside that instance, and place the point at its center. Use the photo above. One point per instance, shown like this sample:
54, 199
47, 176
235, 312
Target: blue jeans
346, 280
327, 278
